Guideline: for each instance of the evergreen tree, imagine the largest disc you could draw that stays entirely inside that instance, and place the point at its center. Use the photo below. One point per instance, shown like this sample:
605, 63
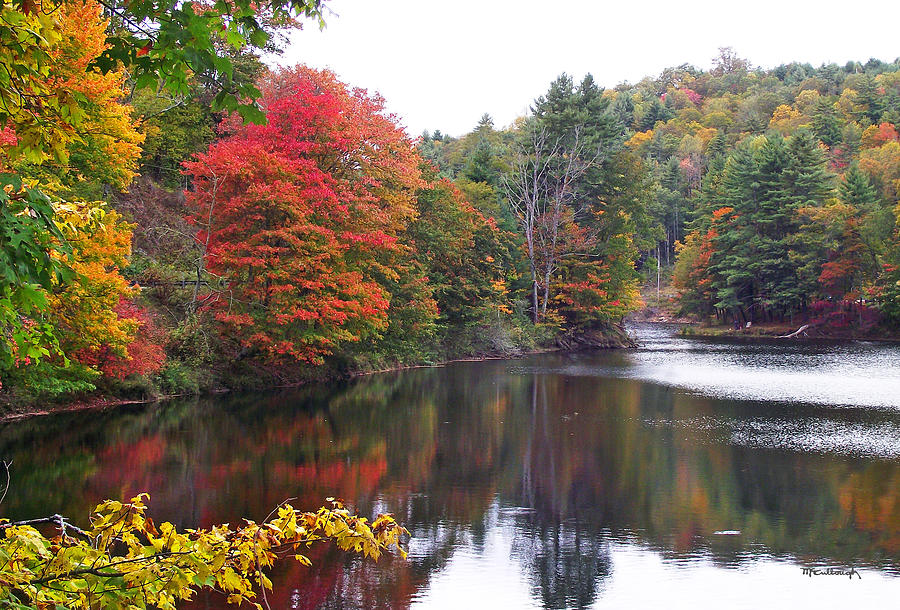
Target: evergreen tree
480, 164
856, 190
808, 181
732, 264
809, 185
760, 265
566, 107
717, 148
876, 221
869, 101
623, 108
657, 111
710, 195
709, 198
485, 125
833, 76
826, 124
774, 222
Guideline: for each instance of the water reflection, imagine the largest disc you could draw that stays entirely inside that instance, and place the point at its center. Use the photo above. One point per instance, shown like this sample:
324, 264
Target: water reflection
554, 481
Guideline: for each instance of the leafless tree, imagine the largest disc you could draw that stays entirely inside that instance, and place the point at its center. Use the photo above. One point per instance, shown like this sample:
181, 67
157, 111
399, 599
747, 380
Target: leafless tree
203, 247
542, 190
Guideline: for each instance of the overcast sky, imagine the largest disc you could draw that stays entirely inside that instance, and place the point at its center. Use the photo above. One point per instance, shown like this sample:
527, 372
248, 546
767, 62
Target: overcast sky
442, 64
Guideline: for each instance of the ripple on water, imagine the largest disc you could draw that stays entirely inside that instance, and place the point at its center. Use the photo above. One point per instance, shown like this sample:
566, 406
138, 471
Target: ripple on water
881, 440
838, 374
816, 434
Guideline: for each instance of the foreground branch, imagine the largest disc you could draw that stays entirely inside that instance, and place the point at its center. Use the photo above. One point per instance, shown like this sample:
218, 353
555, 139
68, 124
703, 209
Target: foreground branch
125, 560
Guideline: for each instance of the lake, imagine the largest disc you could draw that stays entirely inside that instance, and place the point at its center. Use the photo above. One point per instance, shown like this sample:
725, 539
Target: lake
685, 473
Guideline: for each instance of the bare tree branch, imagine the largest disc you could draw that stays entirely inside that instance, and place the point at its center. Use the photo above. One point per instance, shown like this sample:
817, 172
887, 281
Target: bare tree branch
542, 190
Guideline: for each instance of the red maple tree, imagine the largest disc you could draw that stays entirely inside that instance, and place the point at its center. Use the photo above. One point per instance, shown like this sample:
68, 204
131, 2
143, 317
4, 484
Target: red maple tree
299, 217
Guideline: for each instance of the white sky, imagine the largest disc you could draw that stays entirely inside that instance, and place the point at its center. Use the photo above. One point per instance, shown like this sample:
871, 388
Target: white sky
442, 64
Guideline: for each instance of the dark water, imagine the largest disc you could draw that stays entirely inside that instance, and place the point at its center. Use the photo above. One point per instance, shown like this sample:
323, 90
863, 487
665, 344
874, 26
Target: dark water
591, 480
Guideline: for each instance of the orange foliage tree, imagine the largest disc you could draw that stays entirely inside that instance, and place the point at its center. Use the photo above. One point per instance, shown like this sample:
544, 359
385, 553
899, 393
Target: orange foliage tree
84, 311
98, 328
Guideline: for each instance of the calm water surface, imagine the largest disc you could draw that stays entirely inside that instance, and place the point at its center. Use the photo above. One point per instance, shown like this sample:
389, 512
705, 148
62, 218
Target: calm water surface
556, 481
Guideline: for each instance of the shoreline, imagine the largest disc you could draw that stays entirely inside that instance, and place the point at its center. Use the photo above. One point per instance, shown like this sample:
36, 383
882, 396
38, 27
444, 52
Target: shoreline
780, 333
100, 402
688, 330
443, 363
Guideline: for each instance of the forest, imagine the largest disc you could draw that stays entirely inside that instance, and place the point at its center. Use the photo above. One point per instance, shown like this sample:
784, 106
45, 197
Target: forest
180, 218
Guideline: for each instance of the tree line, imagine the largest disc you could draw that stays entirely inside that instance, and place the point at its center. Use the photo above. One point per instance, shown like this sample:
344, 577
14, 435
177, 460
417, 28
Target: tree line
778, 189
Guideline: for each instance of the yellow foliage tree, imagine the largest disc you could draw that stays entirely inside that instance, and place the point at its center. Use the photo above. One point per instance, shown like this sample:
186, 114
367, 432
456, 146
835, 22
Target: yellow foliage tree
83, 311
67, 134
806, 101
104, 144
640, 140
786, 120
847, 104
882, 164
37, 120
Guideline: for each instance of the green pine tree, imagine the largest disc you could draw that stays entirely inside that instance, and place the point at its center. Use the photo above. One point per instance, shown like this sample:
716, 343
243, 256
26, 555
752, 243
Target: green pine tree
826, 124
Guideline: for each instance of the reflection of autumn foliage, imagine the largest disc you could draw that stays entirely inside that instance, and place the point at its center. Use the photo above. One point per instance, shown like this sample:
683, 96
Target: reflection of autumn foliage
129, 468
350, 480
146, 452
588, 456
878, 515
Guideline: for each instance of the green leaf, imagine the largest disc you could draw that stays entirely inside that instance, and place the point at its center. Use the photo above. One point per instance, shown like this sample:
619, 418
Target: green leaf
250, 113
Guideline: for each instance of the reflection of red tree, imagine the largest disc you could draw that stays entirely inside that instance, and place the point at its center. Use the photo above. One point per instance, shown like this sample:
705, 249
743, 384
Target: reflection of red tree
126, 469
348, 480
192, 478
219, 474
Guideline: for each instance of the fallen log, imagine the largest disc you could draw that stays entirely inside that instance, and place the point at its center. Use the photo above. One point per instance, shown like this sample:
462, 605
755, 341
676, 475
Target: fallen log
799, 331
